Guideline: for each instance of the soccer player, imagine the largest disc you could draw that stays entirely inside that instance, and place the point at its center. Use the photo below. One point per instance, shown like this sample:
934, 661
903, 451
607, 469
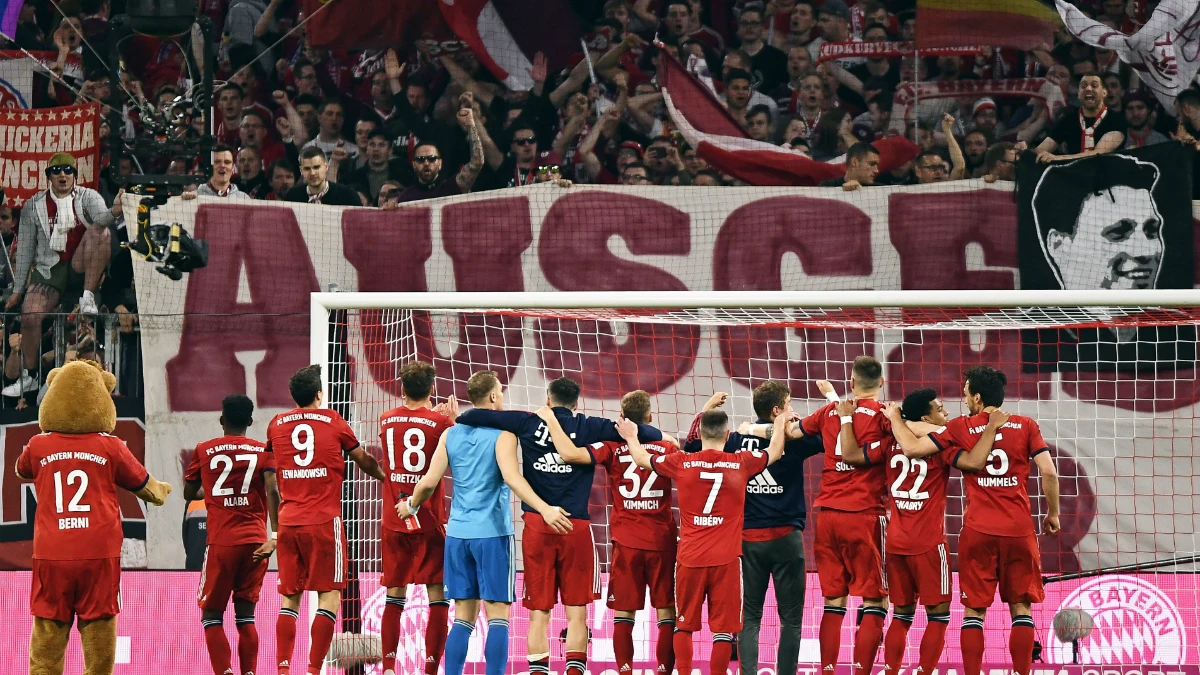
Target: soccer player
236, 478
643, 540
997, 546
480, 562
307, 444
413, 549
558, 565
712, 495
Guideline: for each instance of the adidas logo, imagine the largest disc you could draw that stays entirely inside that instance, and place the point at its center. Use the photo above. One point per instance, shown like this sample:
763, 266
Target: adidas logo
764, 484
430, 659
551, 462
612, 598
390, 655
625, 668
828, 668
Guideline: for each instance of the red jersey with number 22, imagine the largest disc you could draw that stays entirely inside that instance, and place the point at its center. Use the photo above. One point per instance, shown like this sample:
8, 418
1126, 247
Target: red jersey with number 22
641, 513
712, 501
231, 470
997, 496
409, 438
917, 516
308, 445
844, 487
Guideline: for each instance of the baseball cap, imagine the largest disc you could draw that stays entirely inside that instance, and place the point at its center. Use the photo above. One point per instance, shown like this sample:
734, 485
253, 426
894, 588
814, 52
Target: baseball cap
984, 103
631, 145
836, 8
62, 159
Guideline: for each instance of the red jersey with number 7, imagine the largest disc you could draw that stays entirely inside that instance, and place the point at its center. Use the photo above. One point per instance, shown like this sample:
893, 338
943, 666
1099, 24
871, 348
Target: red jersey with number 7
845, 487
997, 496
231, 470
917, 510
641, 514
712, 501
308, 445
409, 438
76, 477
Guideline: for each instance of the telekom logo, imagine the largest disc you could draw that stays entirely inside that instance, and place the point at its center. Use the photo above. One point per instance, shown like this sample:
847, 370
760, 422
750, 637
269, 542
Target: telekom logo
1135, 622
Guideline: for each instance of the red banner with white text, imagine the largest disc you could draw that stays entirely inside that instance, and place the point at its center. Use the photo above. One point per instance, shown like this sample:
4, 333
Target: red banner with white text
29, 138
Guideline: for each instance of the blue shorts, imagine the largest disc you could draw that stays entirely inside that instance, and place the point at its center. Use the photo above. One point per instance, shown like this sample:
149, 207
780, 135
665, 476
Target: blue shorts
481, 569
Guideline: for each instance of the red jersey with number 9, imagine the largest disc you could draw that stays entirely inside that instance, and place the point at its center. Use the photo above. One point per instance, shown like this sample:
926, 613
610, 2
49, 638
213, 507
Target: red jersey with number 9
997, 496
409, 438
845, 487
308, 446
917, 514
76, 477
231, 470
641, 514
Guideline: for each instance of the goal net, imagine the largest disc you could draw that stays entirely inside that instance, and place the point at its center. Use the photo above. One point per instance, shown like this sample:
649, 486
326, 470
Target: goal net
1110, 377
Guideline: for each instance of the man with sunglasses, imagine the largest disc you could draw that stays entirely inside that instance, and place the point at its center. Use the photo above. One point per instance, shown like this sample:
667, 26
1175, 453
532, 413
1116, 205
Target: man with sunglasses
66, 234
427, 165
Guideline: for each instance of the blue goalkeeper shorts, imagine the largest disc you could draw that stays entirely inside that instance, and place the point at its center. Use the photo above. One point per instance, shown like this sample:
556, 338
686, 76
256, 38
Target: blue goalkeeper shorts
481, 569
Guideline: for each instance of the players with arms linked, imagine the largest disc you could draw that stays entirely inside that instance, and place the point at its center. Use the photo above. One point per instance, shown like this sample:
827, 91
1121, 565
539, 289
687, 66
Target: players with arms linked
308, 443
235, 476
998, 545
480, 560
557, 565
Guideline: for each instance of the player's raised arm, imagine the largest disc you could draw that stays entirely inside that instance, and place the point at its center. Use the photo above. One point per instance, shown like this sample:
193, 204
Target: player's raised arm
510, 468
909, 442
1045, 465
975, 460
629, 431
563, 444
428, 483
852, 451
715, 401
367, 462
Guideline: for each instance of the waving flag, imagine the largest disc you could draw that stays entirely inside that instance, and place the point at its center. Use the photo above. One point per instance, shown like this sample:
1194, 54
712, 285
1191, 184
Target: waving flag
505, 35
1020, 24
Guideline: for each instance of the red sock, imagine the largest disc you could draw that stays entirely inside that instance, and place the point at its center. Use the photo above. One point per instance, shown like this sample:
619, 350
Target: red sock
682, 642
972, 645
664, 648
831, 636
718, 660
321, 636
896, 640
1020, 644
933, 641
389, 631
623, 644
218, 646
247, 645
576, 662
435, 635
285, 639
867, 639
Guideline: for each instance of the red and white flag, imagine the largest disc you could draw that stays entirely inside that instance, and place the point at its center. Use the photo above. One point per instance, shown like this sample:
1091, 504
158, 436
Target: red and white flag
505, 35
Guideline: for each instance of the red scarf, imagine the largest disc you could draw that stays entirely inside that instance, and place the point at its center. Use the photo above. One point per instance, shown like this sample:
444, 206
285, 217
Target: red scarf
75, 235
1088, 141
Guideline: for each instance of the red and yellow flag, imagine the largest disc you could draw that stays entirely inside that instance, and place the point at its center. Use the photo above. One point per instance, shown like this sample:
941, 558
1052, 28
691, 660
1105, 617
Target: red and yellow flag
1019, 24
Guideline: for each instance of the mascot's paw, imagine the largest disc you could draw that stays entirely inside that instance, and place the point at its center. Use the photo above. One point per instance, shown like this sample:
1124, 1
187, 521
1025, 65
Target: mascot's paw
154, 492
99, 640
48, 646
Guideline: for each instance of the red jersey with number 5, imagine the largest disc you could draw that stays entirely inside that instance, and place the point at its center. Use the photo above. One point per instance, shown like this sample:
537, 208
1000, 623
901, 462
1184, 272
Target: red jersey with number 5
231, 470
409, 438
641, 514
308, 446
845, 487
917, 514
76, 477
997, 496
712, 501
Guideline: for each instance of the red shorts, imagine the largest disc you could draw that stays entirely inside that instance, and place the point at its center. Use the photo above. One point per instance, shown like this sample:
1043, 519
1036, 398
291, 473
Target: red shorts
230, 570
412, 558
923, 577
559, 566
721, 585
312, 557
88, 589
633, 570
988, 560
849, 553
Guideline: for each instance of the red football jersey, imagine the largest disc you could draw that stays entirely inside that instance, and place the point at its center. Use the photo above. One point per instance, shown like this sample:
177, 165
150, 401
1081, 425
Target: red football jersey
917, 518
231, 470
76, 477
712, 499
641, 514
997, 496
308, 445
409, 438
844, 487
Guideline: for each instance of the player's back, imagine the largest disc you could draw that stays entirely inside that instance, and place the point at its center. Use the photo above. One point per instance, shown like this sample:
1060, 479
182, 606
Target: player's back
917, 508
409, 437
231, 470
482, 504
76, 478
641, 515
845, 487
308, 446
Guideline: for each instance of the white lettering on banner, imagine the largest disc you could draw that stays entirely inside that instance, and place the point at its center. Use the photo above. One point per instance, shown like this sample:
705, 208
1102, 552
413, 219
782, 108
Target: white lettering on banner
29, 138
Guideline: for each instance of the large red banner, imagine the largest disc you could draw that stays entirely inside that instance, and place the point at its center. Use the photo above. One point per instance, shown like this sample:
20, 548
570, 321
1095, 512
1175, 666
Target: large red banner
29, 138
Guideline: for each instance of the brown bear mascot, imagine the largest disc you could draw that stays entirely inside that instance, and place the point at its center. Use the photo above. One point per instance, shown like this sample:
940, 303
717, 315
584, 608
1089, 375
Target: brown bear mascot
77, 468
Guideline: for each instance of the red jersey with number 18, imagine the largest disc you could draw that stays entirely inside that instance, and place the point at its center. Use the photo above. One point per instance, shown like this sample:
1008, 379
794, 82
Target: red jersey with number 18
308, 444
641, 513
231, 470
409, 438
712, 501
845, 487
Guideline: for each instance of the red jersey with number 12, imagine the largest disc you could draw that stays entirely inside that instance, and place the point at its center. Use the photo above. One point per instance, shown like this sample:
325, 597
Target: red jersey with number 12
409, 438
308, 444
712, 501
641, 514
917, 514
231, 470
845, 487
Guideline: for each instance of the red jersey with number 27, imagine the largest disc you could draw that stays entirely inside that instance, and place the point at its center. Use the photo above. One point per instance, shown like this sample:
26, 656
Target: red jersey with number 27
845, 487
641, 514
409, 438
917, 515
997, 496
231, 470
308, 445
712, 501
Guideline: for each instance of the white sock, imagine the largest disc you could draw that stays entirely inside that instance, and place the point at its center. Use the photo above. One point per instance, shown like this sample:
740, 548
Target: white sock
88, 296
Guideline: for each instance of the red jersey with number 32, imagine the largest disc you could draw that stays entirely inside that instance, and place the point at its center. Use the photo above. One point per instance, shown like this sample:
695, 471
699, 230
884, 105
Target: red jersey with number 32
641, 514
76, 477
409, 438
997, 496
308, 446
712, 501
845, 487
917, 513
231, 470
